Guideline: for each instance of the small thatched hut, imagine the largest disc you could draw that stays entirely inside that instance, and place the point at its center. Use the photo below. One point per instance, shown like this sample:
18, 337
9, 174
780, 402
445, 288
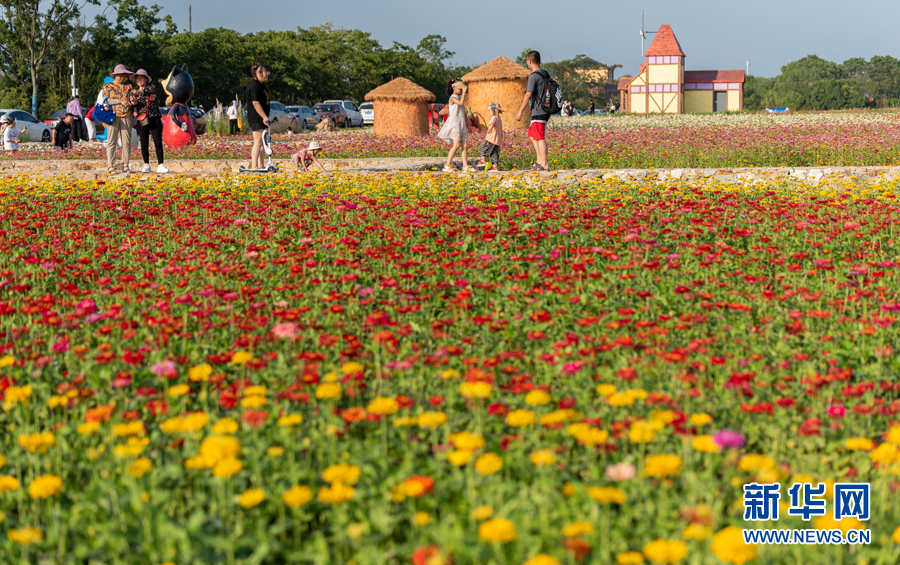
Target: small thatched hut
401, 108
502, 81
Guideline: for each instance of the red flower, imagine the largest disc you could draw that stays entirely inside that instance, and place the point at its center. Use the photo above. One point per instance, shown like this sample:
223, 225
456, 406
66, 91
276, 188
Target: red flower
254, 418
436, 401
498, 409
577, 547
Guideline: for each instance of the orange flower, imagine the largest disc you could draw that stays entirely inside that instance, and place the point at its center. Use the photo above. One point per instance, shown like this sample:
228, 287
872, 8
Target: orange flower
355, 414
99, 414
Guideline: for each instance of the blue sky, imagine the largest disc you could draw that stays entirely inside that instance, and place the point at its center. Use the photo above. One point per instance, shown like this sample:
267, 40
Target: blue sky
715, 35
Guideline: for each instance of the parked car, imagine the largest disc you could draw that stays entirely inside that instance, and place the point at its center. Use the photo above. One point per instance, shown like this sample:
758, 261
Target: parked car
334, 111
367, 110
304, 116
279, 111
36, 130
355, 118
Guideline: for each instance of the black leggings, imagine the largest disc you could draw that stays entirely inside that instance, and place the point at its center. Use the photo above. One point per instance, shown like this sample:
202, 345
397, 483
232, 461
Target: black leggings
233, 129
154, 128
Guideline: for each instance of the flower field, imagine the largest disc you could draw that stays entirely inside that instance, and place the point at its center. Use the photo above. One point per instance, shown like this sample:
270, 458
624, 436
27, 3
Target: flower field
427, 370
852, 138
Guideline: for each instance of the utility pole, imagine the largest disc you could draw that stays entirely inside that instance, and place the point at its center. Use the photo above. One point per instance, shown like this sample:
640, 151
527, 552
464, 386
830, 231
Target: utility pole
190, 28
748, 66
72, 66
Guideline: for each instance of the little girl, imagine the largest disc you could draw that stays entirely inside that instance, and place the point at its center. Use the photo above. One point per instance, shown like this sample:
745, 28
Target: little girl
306, 157
490, 149
454, 129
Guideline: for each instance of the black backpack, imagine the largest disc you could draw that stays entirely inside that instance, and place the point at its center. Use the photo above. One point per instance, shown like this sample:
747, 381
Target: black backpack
549, 94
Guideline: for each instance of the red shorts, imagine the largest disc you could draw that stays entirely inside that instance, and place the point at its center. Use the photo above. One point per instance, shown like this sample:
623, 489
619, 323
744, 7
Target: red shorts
537, 130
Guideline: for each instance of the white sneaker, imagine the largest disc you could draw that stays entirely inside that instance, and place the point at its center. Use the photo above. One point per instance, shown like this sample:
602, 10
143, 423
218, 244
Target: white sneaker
146, 168
162, 168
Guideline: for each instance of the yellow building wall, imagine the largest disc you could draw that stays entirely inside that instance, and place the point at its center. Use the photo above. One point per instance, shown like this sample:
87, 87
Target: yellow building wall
639, 103
664, 74
698, 101
639, 81
734, 100
656, 102
670, 103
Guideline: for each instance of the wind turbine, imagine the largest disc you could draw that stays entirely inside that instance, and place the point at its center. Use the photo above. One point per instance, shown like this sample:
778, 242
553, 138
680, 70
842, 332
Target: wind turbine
643, 33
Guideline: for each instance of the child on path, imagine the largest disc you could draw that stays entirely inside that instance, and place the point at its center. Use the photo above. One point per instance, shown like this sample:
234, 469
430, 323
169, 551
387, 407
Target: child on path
490, 149
454, 129
10, 134
306, 157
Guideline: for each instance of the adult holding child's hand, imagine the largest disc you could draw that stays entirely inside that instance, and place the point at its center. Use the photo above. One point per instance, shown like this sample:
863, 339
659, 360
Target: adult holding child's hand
258, 112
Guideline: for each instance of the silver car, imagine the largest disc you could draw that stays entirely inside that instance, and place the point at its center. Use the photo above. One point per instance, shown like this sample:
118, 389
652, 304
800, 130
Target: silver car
304, 116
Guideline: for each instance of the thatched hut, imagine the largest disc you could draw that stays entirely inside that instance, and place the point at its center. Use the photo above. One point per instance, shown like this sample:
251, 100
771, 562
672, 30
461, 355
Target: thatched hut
401, 108
502, 81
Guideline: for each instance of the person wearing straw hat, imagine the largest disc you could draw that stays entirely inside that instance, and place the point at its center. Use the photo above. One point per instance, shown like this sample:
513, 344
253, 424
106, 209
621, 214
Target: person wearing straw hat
306, 157
122, 99
149, 120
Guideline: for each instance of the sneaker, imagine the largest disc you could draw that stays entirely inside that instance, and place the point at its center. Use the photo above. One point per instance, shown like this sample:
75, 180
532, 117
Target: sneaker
494, 168
480, 164
162, 168
146, 168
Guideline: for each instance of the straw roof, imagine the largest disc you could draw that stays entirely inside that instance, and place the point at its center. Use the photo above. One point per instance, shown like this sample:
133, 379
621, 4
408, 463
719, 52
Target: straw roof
498, 69
401, 89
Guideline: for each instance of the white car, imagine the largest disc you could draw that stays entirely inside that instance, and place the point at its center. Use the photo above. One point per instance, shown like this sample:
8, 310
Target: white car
367, 109
36, 129
353, 114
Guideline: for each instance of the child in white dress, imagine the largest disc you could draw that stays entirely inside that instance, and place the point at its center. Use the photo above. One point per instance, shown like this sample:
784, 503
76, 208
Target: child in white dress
454, 128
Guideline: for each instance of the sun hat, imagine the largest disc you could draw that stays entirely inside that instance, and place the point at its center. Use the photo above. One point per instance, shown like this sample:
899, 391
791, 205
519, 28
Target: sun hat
314, 145
140, 73
4, 119
121, 70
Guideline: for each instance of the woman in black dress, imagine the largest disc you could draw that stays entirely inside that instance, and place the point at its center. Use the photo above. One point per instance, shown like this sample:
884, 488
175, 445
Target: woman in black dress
149, 120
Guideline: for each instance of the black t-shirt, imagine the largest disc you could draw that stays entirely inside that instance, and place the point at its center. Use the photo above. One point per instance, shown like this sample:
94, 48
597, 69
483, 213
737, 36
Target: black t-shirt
257, 92
63, 131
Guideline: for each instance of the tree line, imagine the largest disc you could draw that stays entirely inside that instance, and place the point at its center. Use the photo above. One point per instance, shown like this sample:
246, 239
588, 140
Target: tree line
813, 83
308, 65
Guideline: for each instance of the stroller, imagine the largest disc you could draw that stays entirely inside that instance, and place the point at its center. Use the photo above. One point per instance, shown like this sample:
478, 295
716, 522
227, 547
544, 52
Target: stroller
267, 147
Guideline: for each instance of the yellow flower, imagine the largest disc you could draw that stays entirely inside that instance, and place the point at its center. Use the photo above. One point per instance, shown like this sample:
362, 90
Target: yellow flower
26, 535
619, 399
568, 489
860, 444
431, 420
130, 429
225, 426
383, 406
178, 390
467, 440
341, 473
497, 530
459, 457
422, 518
642, 432
488, 464
664, 416
200, 373
895, 537
227, 468
827, 522
542, 559
88, 428
706, 444
477, 389
537, 398
256, 390
328, 390
893, 435
297, 496
450, 374
485, 512
218, 448
576, 529
351, 368
755, 462
520, 418
18, 394
630, 558
700, 419
37, 442
885, 453
8, 483
251, 497
241, 357
637, 394
290, 420
139, 468
356, 531
185, 424
6, 361
606, 389
607, 495
254, 402
543, 458
45, 486
275, 451
662, 465
337, 493
728, 544
405, 422
665, 551
588, 436
697, 532
559, 417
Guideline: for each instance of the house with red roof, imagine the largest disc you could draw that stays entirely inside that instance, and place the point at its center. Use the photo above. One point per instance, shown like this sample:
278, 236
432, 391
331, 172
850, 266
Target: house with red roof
662, 85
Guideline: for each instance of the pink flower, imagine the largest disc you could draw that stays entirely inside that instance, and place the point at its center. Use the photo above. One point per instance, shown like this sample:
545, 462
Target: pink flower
620, 472
837, 411
163, 368
284, 331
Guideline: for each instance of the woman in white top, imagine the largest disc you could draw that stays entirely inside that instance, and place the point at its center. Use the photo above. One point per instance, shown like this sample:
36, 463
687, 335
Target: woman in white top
454, 129
232, 113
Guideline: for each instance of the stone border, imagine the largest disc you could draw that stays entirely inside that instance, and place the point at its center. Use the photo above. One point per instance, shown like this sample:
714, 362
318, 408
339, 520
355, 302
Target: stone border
96, 169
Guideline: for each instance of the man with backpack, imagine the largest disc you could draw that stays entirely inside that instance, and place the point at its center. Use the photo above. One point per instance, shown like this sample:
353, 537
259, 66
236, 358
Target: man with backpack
544, 97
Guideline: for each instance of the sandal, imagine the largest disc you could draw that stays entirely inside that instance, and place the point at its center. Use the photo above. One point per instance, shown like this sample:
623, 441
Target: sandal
450, 170
468, 170
536, 167
111, 171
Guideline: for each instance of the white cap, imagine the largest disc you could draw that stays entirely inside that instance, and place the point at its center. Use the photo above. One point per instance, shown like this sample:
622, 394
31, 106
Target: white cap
4, 119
